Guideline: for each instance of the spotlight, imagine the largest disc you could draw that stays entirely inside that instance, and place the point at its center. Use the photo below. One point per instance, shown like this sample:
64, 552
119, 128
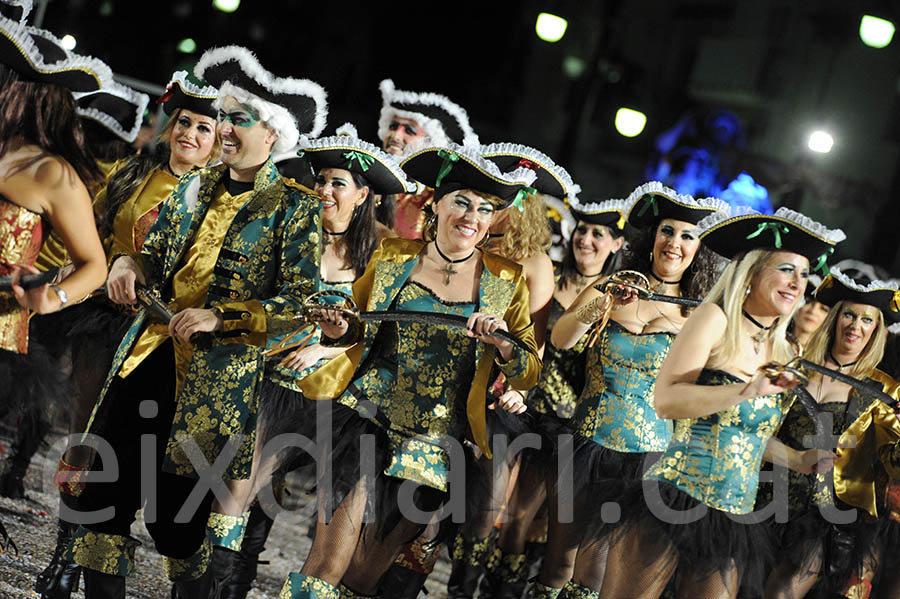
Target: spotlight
875, 32
550, 28
187, 46
820, 141
227, 5
68, 42
630, 122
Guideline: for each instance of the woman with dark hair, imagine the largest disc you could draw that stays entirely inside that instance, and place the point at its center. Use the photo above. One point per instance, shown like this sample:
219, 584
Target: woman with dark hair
614, 423
810, 315
819, 556
687, 516
415, 390
348, 173
128, 206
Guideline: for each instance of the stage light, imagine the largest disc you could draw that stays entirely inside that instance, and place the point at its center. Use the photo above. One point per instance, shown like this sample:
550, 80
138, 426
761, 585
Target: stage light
875, 32
68, 42
573, 67
187, 46
227, 5
550, 28
820, 141
630, 122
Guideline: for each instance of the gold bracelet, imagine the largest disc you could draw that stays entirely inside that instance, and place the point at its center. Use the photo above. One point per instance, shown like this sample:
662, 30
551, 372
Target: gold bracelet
592, 311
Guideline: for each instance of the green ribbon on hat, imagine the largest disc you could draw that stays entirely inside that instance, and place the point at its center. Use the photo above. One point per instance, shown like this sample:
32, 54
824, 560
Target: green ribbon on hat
522, 195
647, 204
822, 262
776, 228
301, 154
364, 160
449, 158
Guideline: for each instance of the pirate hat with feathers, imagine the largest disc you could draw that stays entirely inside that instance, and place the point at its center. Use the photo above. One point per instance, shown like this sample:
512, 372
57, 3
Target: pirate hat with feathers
444, 121
118, 108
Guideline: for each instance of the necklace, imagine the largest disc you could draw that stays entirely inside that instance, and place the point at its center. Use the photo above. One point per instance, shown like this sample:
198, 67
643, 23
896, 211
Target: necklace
326, 239
662, 283
581, 279
839, 365
448, 269
760, 337
495, 235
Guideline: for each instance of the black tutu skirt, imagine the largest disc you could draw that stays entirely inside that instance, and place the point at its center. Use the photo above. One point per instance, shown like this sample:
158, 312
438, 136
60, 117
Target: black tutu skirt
717, 542
887, 575
357, 445
844, 548
33, 385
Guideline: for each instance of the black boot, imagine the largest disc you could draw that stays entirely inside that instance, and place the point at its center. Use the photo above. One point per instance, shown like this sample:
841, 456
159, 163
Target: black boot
245, 562
401, 583
28, 440
200, 588
60, 577
98, 585
468, 559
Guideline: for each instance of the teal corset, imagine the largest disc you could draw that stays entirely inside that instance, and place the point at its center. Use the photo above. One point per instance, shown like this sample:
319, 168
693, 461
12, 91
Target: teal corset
562, 377
715, 459
419, 382
616, 407
287, 377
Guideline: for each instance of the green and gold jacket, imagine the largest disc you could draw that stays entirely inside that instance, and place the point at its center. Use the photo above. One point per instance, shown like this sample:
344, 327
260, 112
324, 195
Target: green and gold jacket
502, 290
267, 264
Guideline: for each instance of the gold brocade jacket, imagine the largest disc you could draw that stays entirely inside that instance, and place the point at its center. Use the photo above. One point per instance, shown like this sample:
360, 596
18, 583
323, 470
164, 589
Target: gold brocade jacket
871, 444
502, 290
267, 264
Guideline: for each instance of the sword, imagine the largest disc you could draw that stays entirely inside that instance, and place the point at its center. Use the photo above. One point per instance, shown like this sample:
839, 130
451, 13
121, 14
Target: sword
155, 306
30, 281
310, 308
637, 281
868, 389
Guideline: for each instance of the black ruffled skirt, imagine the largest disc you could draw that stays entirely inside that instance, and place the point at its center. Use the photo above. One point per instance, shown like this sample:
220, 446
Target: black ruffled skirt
716, 542
844, 548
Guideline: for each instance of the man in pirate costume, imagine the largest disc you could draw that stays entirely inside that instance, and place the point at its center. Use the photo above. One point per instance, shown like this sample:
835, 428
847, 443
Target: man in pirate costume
410, 121
234, 252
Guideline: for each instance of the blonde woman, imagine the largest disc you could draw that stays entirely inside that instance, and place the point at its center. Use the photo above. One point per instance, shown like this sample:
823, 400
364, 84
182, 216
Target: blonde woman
684, 515
838, 558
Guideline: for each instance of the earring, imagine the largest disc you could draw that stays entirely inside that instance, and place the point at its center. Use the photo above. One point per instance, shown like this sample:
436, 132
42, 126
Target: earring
651, 257
748, 290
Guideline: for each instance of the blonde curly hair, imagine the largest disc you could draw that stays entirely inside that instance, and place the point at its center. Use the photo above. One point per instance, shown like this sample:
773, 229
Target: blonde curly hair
527, 233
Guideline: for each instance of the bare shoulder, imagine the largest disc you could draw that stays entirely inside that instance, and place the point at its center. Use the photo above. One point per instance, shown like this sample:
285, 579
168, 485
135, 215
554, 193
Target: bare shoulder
708, 318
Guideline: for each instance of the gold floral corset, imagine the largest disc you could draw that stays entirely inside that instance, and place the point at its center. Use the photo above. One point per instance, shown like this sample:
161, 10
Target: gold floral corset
562, 377
21, 235
716, 458
419, 382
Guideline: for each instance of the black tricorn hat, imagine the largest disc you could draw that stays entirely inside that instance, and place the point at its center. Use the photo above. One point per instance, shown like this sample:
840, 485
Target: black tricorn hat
37, 55
305, 100
610, 213
117, 107
838, 287
447, 169
188, 92
552, 179
729, 233
346, 151
651, 202
16, 10
443, 120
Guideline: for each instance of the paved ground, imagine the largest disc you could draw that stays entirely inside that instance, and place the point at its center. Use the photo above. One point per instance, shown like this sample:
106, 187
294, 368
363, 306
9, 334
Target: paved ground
32, 524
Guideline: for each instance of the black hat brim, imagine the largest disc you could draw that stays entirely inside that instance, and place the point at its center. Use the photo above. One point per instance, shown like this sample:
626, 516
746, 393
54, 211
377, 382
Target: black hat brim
448, 122
377, 175
546, 182
883, 299
608, 219
744, 233
179, 98
79, 79
647, 211
425, 165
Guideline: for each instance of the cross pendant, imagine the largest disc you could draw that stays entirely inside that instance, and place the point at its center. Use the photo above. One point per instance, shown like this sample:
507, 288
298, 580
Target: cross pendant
326, 240
448, 270
758, 339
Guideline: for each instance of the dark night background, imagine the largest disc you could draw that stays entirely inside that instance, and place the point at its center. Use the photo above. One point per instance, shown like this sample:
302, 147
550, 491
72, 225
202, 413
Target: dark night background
784, 67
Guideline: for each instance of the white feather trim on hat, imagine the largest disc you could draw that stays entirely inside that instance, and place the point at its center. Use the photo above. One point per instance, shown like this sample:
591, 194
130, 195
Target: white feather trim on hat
598, 207
729, 212
871, 286
434, 129
21, 34
275, 117
571, 189
137, 99
277, 85
346, 137
190, 88
521, 176
24, 5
